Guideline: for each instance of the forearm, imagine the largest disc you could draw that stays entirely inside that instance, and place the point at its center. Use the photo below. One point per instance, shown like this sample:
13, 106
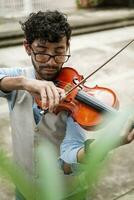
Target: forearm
8, 84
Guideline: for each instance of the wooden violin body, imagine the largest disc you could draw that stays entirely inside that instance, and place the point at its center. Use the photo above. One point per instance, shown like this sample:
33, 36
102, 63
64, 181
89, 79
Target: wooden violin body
86, 105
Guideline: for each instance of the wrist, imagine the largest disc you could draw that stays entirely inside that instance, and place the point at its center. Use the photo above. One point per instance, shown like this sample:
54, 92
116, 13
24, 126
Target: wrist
24, 83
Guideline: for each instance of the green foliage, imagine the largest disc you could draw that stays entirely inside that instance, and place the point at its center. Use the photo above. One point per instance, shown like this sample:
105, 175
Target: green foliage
95, 2
15, 174
88, 3
51, 182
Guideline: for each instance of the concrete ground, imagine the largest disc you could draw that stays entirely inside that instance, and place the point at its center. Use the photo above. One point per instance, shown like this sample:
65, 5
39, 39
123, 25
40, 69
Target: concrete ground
82, 21
88, 52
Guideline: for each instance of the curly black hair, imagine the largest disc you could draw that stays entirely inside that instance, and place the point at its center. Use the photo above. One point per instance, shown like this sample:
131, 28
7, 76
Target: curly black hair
49, 26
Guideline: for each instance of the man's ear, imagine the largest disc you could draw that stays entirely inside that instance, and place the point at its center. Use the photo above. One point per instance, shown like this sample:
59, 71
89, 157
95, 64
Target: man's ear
68, 46
27, 47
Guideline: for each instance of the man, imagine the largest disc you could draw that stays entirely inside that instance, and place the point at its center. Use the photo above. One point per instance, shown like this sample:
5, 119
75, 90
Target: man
47, 42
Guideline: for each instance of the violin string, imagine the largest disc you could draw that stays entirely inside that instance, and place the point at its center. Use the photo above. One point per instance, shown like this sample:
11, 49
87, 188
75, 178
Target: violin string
63, 84
111, 58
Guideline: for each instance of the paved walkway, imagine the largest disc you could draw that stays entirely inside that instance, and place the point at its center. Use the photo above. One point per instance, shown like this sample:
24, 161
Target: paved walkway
82, 21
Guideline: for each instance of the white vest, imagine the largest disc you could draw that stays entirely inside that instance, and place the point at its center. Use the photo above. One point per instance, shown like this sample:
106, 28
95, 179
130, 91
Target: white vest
26, 134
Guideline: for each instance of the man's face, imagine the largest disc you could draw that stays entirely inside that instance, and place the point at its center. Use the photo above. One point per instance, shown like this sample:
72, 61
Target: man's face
47, 67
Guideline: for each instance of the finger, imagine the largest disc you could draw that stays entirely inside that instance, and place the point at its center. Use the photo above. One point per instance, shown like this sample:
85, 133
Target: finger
127, 127
62, 93
56, 96
130, 136
37, 99
58, 93
50, 97
44, 99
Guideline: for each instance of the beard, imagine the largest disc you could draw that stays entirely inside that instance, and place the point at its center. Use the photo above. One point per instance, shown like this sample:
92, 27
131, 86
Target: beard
46, 71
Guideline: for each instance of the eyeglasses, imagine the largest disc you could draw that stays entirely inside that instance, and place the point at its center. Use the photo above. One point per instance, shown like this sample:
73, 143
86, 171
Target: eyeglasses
44, 57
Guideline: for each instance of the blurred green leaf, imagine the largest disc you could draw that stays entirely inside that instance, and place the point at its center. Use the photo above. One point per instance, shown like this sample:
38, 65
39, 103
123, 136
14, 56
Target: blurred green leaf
14, 173
112, 136
51, 181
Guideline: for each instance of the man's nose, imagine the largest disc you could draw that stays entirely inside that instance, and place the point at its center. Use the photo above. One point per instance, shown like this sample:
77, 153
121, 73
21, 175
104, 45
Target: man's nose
51, 61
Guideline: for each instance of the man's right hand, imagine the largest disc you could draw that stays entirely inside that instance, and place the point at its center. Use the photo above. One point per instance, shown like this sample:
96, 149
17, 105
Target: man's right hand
48, 93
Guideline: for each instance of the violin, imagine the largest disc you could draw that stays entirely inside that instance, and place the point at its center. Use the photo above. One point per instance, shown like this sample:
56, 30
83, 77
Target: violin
84, 104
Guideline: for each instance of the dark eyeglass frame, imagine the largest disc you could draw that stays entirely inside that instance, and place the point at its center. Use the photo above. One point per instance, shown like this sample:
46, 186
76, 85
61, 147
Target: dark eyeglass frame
50, 56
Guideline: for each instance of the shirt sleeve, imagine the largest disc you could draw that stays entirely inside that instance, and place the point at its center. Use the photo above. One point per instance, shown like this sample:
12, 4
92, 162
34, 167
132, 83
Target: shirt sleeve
71, 144
9, 72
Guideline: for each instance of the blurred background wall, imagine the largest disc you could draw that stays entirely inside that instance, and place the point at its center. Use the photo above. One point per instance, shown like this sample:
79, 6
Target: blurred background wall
23, 7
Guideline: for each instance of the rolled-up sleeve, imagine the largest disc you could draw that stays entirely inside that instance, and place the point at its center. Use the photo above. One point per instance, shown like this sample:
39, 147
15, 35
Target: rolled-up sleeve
8, 72
72, 143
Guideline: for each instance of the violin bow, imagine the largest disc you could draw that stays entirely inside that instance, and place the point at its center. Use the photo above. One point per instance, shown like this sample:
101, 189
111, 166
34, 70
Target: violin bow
111, 58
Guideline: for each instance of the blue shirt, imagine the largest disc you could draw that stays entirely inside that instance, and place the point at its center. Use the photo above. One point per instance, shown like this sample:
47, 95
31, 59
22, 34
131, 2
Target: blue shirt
74, 137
